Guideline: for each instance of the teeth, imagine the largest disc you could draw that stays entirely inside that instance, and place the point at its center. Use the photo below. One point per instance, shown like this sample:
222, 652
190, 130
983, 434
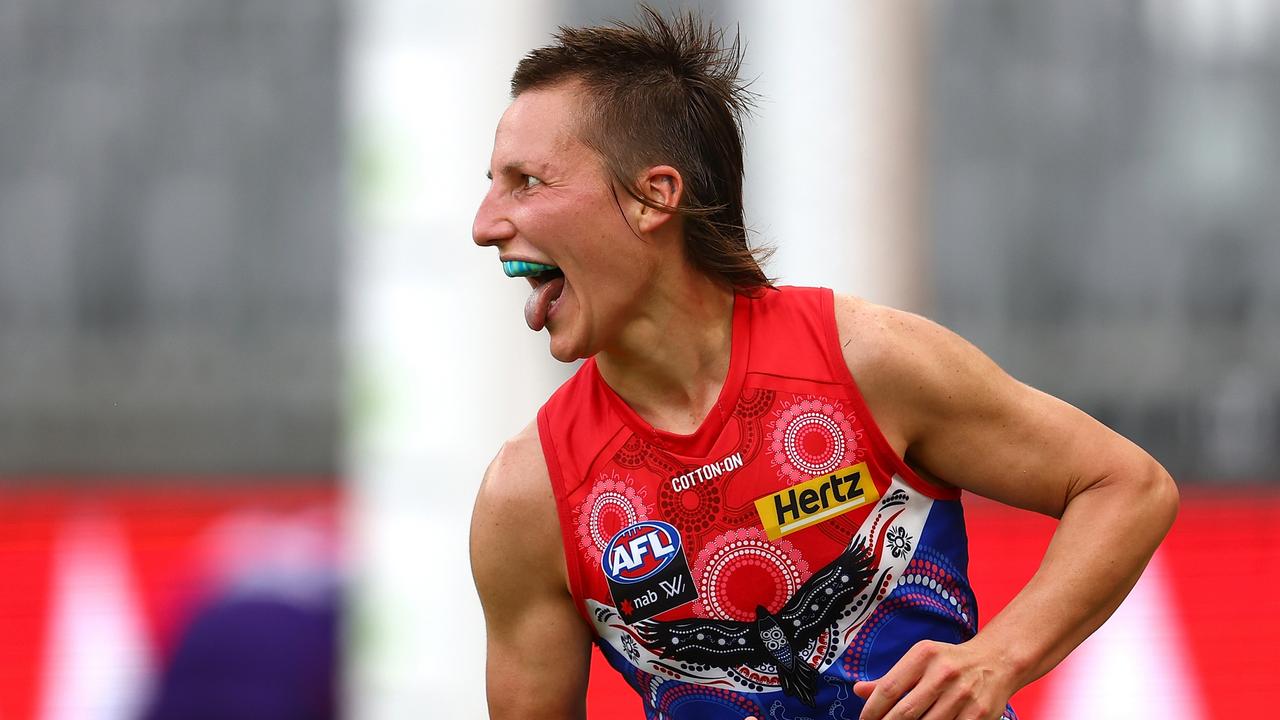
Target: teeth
520, 268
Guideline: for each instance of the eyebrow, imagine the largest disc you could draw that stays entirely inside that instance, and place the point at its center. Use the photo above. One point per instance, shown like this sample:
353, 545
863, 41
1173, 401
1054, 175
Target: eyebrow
519, 167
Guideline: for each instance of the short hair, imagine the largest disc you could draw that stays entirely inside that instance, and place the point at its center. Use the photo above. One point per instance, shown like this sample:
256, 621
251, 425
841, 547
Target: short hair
667, 92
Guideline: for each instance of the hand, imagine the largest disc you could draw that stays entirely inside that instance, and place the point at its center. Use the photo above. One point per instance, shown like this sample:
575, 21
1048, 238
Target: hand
938, 681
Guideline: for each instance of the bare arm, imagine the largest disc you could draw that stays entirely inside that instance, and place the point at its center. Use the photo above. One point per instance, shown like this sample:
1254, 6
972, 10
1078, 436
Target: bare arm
539, 649
957, 417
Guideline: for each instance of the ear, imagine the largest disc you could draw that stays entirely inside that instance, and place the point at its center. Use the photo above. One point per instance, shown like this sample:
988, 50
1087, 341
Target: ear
661, 184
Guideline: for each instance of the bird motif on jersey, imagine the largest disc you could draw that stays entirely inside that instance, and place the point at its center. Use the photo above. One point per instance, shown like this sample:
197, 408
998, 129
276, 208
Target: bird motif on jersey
777, 639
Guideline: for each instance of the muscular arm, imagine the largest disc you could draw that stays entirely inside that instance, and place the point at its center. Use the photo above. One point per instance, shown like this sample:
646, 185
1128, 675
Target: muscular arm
539, 650
959, 419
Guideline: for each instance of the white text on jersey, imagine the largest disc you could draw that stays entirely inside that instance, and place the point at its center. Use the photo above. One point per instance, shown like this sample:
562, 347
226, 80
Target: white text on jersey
706, 472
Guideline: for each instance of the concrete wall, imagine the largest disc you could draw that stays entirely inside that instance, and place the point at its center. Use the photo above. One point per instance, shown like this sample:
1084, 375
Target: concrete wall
171, 206
1104, 223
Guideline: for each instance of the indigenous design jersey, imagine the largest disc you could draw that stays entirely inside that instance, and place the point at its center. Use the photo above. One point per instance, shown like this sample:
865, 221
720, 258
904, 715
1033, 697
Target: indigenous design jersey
777, 555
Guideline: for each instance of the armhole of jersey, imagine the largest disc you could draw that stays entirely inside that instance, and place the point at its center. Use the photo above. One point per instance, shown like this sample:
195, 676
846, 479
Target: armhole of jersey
840, 371
562, 510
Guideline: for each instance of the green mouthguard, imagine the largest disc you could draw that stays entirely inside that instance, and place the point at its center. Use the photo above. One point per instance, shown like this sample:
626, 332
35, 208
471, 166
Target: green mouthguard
520, 268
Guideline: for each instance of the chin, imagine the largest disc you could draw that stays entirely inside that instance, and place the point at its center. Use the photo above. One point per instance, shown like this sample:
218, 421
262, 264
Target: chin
565, 350
564, 357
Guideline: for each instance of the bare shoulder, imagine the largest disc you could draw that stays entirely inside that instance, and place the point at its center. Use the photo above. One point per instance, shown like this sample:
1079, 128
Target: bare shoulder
539, 647
911, 369
516, 477
880, 338
514, 523
955, 415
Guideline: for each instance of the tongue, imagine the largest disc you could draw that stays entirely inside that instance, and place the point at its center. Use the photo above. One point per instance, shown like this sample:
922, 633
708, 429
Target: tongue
539, 302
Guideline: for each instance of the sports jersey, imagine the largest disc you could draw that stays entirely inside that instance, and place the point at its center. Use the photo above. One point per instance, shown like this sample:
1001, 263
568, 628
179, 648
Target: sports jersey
767, 561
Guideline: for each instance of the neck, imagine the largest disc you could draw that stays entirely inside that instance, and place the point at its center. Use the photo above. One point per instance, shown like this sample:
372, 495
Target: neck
670, 362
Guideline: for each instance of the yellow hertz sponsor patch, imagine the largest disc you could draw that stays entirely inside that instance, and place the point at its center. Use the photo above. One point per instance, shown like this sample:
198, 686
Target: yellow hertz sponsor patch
817, 500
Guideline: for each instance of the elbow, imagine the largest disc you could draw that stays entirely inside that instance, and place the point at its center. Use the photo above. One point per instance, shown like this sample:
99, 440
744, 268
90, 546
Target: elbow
1159, 494
1145, 494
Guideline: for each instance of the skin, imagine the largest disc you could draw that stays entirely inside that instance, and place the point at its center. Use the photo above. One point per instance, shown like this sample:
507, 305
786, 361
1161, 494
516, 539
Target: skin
944, 406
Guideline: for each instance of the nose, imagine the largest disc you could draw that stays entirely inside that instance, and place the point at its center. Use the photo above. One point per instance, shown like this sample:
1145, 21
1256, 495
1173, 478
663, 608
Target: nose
491, 225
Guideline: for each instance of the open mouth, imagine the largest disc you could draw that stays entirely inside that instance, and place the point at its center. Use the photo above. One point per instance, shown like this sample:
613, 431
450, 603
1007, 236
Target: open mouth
522, 268
535, 273
544, 277
551, 273
547, 282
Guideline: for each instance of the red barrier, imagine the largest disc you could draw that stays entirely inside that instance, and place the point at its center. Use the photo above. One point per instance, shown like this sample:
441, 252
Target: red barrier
164, 535
1206, 618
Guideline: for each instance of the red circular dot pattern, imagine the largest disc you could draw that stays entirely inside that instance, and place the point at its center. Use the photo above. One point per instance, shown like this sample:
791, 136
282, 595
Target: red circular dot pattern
741, 569
812, 436
612, 505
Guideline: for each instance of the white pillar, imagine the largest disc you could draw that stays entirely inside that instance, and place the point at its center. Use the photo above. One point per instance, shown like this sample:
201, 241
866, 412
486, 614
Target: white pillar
441, 367
834, 157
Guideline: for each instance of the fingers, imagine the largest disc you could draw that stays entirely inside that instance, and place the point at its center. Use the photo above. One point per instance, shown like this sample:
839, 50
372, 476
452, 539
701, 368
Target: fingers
933, 681
961, 699
890, 692
948, 706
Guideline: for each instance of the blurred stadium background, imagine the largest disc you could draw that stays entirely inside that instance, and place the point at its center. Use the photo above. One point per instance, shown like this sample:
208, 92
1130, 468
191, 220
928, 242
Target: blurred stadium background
252, 368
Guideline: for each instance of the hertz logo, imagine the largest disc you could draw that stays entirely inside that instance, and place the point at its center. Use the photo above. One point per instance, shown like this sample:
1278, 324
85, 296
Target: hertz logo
817, 500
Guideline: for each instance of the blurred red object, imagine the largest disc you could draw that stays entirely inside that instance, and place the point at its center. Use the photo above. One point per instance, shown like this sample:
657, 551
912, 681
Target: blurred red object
97, 576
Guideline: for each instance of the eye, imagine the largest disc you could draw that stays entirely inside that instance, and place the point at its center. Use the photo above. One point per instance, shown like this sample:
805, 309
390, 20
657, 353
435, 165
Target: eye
530, 181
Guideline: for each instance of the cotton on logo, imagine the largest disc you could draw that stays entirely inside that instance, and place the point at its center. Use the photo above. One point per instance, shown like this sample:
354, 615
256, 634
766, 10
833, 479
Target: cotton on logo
640, 550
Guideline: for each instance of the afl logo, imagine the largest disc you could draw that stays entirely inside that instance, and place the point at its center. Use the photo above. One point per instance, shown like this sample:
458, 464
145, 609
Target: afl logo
640, 550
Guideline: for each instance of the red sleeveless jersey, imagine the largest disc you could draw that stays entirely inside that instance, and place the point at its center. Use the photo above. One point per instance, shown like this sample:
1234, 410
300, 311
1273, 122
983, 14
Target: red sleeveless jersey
764, 563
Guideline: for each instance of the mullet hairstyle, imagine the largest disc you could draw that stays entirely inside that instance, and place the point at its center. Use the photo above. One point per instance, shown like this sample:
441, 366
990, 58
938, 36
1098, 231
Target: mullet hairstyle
661, 92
